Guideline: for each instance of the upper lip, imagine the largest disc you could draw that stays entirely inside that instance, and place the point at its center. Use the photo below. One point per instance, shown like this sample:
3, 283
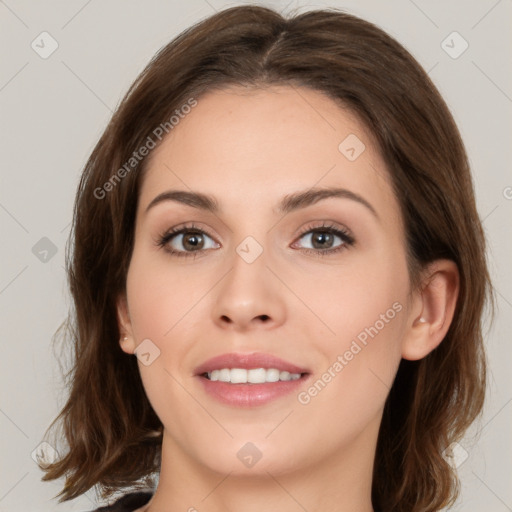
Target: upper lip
248, 361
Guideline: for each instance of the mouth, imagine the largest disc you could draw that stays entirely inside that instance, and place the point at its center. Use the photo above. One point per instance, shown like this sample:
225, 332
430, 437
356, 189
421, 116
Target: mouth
251, 376
246, 380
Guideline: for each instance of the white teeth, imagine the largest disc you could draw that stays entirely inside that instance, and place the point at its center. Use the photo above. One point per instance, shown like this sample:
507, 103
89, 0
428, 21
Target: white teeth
253, 376
225, 375
256, 376
238, 375
272, 375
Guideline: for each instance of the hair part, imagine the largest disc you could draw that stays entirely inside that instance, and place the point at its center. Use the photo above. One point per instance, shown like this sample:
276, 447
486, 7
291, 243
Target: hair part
114, 436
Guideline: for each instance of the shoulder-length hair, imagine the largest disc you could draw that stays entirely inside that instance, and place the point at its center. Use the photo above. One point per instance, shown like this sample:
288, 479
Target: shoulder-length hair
114, 435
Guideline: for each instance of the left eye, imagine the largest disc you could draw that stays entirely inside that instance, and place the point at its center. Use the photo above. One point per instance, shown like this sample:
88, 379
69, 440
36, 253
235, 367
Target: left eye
323, 239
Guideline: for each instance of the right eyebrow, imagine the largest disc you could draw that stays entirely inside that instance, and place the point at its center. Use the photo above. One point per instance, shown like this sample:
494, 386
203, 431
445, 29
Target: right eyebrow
194, 199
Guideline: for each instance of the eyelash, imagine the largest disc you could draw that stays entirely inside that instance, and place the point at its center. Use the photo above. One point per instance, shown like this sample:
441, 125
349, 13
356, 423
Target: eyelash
345, 236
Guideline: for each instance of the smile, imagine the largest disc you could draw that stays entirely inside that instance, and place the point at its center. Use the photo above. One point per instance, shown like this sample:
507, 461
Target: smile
252, 376
249, 379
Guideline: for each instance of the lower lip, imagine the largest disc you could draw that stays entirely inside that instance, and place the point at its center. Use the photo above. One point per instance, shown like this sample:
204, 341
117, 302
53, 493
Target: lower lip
250, 395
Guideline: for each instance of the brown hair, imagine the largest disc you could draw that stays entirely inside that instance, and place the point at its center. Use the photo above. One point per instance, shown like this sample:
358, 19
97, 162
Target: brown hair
108, 421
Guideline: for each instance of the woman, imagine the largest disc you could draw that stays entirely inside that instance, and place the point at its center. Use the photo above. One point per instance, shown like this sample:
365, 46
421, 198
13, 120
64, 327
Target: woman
278, 274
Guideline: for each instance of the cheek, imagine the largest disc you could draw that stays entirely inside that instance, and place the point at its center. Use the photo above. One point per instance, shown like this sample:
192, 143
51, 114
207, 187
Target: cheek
364, 294
351, 387
159, 299
366, 316
160, 296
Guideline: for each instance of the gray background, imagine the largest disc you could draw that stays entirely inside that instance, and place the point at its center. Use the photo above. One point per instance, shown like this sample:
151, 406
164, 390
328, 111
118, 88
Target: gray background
53, 110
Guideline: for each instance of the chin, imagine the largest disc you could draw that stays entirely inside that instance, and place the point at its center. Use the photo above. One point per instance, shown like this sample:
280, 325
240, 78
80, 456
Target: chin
252, 456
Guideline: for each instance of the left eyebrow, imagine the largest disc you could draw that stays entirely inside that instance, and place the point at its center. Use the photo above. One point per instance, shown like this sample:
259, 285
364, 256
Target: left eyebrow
308, 197
288, 203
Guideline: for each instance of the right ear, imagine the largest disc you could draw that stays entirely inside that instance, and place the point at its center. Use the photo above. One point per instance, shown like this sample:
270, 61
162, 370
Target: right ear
127, 341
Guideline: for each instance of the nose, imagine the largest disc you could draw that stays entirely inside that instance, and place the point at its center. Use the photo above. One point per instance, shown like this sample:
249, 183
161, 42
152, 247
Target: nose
249, 297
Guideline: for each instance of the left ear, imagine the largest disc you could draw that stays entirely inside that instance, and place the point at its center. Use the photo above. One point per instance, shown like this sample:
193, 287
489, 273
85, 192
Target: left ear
432, 310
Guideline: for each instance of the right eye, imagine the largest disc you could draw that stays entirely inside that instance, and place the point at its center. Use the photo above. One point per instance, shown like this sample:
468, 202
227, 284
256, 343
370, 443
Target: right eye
186, 241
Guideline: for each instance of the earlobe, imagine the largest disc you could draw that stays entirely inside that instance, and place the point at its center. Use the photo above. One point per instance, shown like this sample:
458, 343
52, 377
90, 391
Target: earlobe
127, 340
432, 311
127, 344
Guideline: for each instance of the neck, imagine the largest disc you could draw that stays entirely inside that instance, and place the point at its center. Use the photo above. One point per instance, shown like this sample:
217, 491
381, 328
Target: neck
340, 483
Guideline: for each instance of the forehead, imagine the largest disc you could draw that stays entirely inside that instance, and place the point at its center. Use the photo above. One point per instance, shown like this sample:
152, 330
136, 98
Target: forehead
250, 147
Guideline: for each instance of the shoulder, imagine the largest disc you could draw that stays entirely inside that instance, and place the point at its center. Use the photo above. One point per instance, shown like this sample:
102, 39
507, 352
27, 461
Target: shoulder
128, 502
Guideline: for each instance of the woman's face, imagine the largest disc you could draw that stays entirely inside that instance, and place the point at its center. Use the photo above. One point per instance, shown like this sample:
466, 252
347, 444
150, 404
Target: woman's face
318, 281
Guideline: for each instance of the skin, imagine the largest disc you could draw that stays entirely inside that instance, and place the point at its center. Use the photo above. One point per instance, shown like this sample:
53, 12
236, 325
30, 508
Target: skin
249, 148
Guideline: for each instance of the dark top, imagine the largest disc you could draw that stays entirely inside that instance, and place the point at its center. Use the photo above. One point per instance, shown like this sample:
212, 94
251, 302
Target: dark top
128, 502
